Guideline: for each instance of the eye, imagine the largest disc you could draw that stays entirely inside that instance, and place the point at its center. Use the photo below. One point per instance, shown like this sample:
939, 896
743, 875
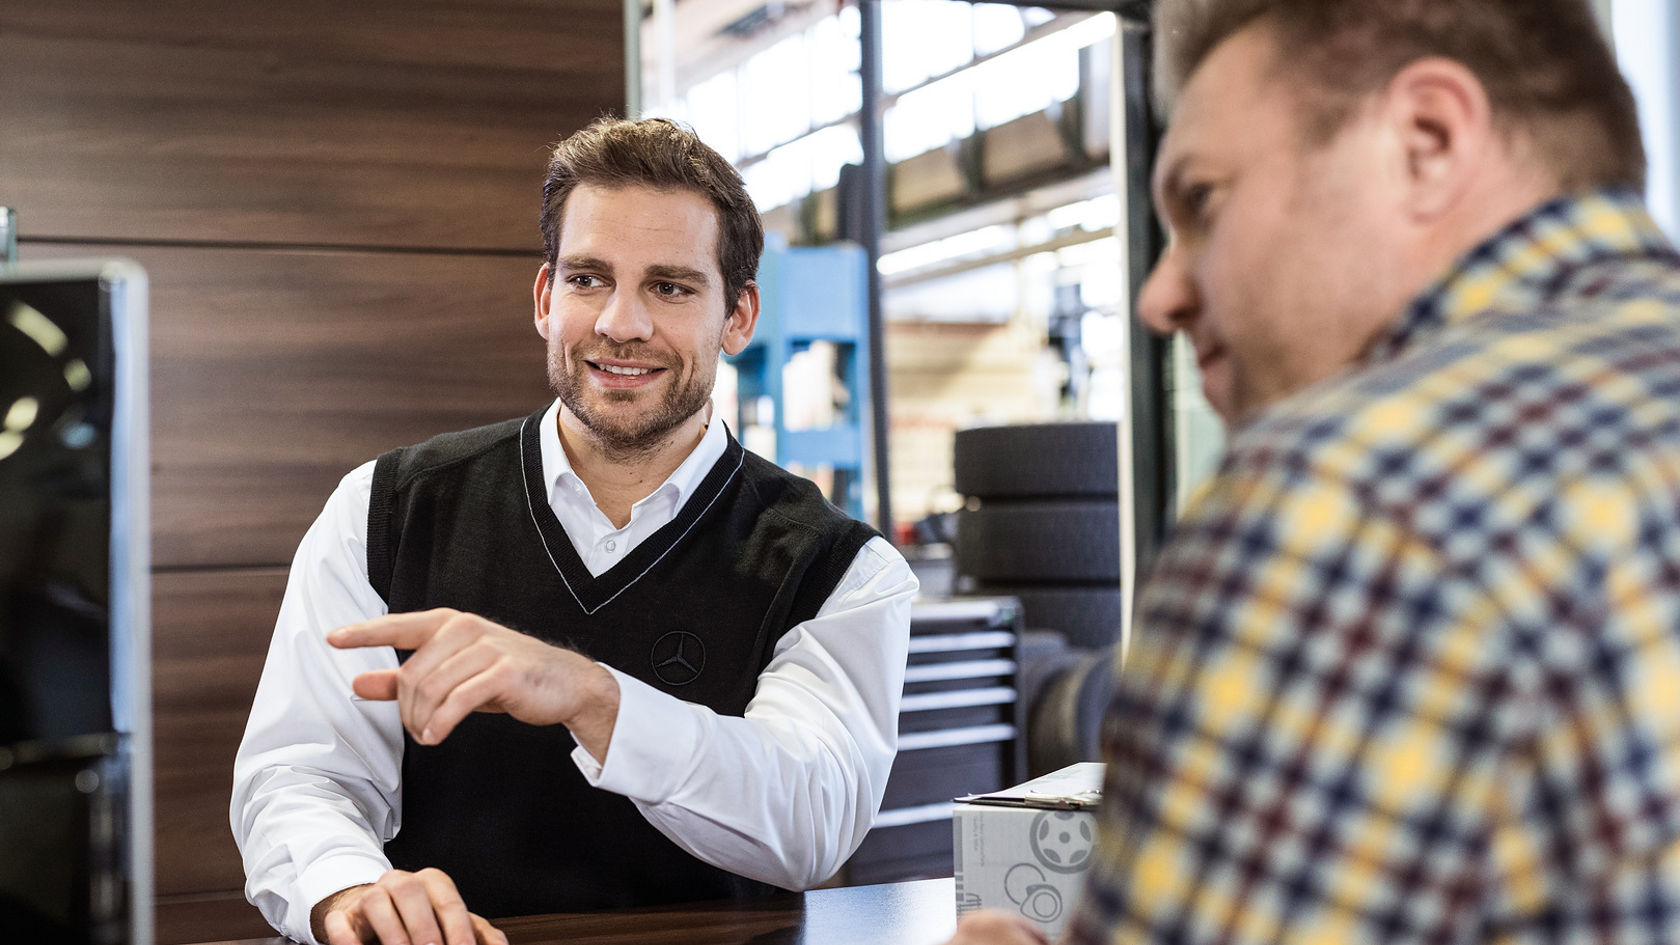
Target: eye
670, 290
584, 280
1196, 199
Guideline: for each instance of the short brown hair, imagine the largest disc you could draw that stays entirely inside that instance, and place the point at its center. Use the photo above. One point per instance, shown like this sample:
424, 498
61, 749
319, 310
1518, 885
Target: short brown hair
1545, 64
659, 153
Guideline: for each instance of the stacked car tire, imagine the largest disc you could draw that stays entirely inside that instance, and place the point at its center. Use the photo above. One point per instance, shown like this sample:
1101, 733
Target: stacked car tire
1042, 524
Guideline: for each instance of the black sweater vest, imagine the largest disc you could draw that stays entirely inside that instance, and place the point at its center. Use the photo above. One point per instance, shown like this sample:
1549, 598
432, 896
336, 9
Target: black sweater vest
463, 521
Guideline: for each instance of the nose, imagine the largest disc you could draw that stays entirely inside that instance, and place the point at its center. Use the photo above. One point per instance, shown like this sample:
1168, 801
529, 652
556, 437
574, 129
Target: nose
1168, 301
624, 318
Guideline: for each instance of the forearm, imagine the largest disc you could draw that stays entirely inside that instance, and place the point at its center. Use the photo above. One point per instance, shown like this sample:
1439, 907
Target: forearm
775, 803
785, 793
314, 798
308, 813
301, 838
315, 789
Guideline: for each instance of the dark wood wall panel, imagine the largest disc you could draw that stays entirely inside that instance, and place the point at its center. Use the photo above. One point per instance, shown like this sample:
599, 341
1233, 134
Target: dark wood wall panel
274, 373
336, 201
370, 122
212, 631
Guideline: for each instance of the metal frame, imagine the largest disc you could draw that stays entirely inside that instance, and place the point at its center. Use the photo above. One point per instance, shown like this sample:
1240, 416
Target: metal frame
1149, 431
874, 217
8, 235
632, 59
125, 288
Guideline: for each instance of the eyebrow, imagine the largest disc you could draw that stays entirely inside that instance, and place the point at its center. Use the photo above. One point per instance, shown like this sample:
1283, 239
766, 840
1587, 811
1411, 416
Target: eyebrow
678, 274
570, 263
581, 262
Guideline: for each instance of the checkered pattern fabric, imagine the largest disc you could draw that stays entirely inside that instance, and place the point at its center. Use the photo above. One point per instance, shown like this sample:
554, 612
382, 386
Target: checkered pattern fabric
1409, 669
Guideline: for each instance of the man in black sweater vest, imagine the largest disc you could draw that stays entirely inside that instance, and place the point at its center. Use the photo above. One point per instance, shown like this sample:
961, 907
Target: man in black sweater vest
601, 656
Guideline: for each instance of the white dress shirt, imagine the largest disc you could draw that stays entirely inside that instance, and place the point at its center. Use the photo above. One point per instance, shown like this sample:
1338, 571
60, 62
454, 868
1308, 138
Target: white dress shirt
782, 795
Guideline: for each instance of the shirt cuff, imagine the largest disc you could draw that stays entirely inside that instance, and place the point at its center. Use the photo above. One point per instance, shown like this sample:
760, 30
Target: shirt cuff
654, 741
325, 877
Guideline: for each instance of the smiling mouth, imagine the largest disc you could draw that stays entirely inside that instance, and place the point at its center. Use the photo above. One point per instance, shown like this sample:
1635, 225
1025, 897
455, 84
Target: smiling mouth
621, 370
624, 371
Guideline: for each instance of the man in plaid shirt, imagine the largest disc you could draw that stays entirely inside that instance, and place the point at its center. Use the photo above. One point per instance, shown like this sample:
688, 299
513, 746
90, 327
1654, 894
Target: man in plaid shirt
1409, 669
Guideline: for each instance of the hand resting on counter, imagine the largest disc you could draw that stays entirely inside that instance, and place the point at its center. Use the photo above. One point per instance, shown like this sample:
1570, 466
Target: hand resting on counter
402, 909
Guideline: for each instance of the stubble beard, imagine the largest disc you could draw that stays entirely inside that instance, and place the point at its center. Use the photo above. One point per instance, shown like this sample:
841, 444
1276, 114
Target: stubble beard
623, 432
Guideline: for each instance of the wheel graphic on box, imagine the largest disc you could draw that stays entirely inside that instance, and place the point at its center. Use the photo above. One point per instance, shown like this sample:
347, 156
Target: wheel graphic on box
1025, 886
1062, 840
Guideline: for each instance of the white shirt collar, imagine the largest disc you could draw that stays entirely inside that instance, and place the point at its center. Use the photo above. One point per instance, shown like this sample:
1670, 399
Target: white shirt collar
558, 474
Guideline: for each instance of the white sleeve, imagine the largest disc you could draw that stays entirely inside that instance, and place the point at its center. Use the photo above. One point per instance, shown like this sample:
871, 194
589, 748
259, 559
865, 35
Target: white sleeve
786, 793
315, 783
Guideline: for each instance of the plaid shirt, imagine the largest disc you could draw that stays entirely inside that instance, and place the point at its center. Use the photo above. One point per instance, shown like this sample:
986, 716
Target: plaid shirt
1409, 670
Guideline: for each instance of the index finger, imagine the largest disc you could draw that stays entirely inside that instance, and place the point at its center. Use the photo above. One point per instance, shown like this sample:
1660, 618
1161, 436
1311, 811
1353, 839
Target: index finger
407, 631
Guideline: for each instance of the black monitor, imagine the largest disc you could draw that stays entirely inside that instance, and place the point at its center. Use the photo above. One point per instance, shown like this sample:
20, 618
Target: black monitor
75, 604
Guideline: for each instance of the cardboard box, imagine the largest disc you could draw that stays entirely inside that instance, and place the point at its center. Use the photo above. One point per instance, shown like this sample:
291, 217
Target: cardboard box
1026, 849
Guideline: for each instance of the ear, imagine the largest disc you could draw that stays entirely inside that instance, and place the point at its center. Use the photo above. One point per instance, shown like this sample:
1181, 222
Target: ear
743, 318
542, 294
1443, 123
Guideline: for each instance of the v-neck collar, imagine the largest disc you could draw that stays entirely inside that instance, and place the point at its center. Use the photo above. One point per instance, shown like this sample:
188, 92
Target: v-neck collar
594, 592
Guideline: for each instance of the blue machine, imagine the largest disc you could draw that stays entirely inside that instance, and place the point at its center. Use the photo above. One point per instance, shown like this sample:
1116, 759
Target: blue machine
810, 294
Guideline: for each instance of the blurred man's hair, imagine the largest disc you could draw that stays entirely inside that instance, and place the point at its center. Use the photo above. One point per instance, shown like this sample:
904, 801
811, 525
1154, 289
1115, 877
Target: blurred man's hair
663, 154
1548, 71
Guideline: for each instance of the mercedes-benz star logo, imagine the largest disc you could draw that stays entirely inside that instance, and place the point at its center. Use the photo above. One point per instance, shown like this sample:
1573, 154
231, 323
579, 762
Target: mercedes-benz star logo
678, 657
